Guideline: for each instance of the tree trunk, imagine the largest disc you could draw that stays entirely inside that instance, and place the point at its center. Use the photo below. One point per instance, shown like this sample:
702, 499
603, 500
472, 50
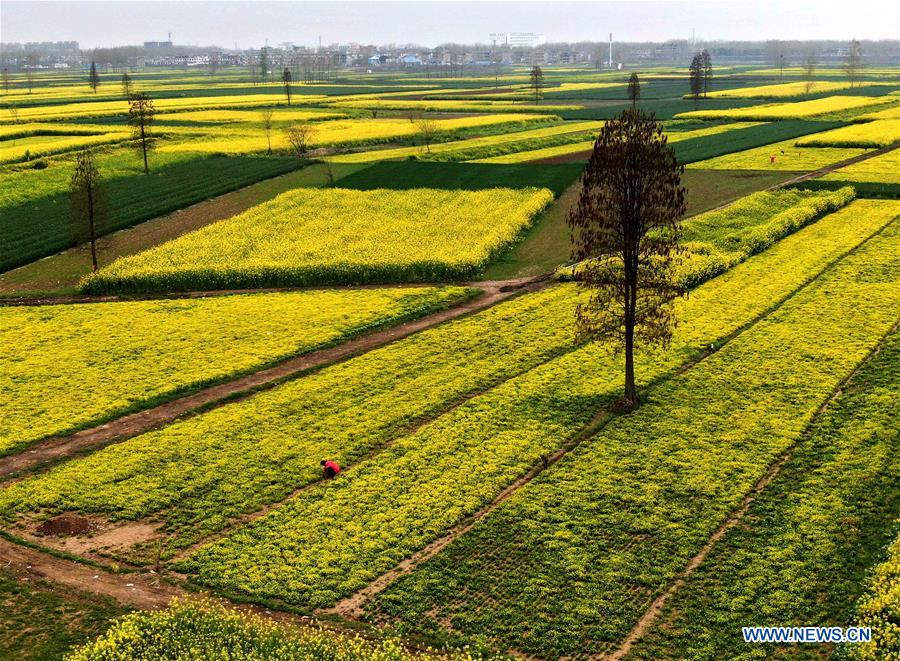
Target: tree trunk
93, 234
630, 399
144, 147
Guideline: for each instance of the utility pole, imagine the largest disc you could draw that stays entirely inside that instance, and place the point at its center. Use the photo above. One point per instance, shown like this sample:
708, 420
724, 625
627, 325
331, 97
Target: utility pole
610, 50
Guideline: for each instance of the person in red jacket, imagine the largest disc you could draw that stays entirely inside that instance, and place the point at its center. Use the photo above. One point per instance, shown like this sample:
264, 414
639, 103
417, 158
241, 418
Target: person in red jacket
330, 468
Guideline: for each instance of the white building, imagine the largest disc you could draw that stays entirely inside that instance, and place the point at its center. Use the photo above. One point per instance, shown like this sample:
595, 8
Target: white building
518, 39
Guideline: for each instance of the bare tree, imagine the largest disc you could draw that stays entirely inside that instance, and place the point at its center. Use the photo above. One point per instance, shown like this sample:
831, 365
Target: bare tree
706, 61
127, 86
809, 71
626, 232
427, 129
634, 89
213, 63
94, 77
329, 172
781, 67
6, 79
536, 78
696, 76
31, 63
140, 118
266, 115
300, 138
264, 64
286, 79
88, 210
853, 65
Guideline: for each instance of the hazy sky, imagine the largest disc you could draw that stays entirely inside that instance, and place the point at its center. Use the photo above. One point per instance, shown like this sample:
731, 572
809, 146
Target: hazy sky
249, 24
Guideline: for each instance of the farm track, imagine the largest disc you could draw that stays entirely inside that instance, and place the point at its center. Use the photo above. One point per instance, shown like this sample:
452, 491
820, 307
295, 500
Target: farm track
142, 590
351, 607
59, 448
653, 612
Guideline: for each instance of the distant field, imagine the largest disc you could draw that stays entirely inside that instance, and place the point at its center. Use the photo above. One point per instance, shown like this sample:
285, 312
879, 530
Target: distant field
827, 108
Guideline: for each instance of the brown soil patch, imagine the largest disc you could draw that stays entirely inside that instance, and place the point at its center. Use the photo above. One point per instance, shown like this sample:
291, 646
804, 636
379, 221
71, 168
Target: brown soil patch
66, 525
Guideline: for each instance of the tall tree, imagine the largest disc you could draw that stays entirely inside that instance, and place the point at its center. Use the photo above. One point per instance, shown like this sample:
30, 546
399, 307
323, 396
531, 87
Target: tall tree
626, 232
94, 77
781, 60
696, 76
127, 86
88, 210
286, 79
140, 118
299, 138
536, 78
213, 63
264, 63
634, 89
809, 71
266, 115
853, 64
706, 61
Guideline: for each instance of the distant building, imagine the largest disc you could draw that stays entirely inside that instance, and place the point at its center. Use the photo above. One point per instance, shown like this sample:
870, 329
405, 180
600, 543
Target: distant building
157, 44
518, 39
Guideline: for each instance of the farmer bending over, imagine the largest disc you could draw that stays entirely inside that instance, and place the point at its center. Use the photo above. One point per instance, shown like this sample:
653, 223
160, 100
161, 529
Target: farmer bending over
330, 468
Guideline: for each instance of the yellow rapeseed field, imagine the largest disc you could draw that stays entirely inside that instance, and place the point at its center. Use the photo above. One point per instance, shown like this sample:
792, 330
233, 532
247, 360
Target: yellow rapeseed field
336, 236
226, 140
880, 133
797, 110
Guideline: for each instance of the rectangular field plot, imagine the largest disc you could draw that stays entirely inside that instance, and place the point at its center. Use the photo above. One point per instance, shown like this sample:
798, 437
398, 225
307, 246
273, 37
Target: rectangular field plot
879, 133
813, 532
829, 106
69, 366
783, 156
336, 236
880, 169
592, 541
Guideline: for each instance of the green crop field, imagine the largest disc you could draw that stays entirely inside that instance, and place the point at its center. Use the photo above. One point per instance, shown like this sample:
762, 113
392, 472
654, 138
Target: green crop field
374, 254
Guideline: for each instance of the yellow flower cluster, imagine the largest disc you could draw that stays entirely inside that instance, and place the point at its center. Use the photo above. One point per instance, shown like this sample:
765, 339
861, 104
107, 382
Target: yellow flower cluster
879, 609
200, 629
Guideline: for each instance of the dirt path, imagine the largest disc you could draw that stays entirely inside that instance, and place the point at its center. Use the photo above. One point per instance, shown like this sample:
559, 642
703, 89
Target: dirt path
653, 612
144, 590
61, 447
173, 296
